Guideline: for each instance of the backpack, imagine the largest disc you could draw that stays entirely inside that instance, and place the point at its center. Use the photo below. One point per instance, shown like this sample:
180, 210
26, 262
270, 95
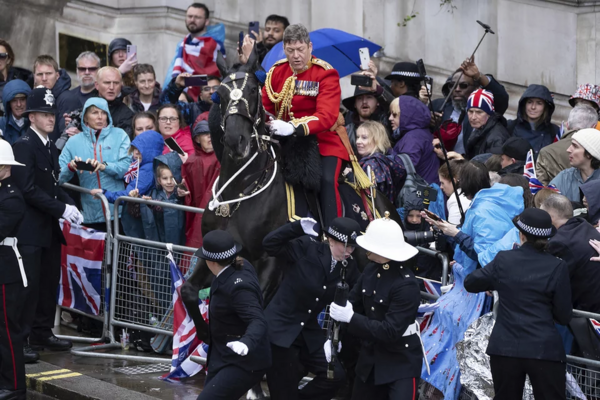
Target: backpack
412, 182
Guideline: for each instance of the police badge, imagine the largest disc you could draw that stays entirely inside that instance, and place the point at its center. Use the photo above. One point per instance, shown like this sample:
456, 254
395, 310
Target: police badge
49, 98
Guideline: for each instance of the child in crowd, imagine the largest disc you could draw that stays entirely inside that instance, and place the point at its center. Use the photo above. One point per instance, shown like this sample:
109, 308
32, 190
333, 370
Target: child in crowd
139, 179
162, 224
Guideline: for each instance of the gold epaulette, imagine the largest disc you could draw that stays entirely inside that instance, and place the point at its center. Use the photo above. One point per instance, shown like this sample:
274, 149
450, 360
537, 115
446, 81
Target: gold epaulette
321, 63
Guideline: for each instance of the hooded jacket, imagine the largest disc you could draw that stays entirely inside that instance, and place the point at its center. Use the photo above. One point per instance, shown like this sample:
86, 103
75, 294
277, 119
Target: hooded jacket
111, 145
150, 145
487, 139
10, 130
15, 73
415, 139
200, 172
62, 85
546, 132
591, 191
162, 224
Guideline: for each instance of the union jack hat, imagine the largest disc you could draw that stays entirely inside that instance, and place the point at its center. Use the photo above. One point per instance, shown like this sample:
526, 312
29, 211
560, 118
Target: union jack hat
587, 92
481, 99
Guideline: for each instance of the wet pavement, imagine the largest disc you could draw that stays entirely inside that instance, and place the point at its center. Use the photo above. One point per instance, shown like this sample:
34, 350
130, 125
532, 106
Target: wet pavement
103, 377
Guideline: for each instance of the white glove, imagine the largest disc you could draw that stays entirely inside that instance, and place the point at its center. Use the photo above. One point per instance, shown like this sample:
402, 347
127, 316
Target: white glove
281, 128
327, 348
79, 218
308, 226
71, 214
341, 314
238, 347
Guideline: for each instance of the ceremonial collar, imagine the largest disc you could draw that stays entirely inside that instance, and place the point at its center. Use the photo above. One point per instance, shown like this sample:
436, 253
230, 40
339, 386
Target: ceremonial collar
305, 68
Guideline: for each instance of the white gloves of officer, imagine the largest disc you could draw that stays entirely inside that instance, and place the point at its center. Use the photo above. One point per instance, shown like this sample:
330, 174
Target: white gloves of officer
308, 226
281, 128
238, 347
341, 314
72, 215
327, 348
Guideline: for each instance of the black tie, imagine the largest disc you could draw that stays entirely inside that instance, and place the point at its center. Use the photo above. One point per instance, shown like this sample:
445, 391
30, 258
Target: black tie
48, 147
333, 264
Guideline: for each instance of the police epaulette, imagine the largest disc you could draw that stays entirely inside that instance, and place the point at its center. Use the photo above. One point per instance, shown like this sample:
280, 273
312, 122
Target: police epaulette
321, 63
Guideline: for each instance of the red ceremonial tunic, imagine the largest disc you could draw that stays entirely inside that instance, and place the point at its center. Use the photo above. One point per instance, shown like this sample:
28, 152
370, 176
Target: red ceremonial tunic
315, 105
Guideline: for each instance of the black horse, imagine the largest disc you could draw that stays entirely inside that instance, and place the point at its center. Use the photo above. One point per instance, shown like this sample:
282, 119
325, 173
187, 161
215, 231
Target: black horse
251, 171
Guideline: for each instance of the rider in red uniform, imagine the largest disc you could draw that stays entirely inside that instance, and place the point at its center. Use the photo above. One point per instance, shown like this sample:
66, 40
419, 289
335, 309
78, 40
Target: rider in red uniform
304, 93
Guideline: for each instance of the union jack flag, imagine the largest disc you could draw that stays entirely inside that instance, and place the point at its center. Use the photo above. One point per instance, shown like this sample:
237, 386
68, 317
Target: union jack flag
81, 268
197, 55
596, 326
426, 311
529, 172
185, 341
132, 172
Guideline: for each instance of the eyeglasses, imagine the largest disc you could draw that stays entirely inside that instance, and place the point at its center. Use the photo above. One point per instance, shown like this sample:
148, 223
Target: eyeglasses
462, 85
3, 56
210, 88
168, 119
87, 69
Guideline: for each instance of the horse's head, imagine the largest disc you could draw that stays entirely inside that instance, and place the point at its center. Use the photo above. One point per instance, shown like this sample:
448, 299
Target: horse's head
242, 113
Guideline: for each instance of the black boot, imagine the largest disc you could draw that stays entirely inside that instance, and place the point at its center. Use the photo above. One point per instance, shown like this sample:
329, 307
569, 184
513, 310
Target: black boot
6, 394
50, 343
29, 356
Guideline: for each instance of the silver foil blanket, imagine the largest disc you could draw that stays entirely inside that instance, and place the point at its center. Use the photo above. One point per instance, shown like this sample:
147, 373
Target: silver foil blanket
475, 374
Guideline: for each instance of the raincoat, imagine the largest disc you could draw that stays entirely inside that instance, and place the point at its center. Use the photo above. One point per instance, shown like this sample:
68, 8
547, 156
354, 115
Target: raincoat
10, 130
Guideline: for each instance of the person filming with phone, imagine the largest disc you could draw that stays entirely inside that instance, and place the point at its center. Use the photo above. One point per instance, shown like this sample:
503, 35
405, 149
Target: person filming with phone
99, 156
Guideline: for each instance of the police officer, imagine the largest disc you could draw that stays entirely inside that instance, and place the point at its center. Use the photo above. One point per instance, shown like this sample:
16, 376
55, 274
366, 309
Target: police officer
381, 312
534, 291
311, 273
239, 352
12, 280
40, 235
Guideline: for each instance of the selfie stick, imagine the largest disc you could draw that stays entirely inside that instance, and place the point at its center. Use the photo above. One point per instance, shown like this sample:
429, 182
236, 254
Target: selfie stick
488, 29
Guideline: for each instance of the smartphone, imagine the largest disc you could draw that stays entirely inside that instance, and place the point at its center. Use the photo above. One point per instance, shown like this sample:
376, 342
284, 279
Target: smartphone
196, 80
241, 41
431, 215
363, 52
172, 144
361, 80
131, 49
182, 187
253, 27
83, 166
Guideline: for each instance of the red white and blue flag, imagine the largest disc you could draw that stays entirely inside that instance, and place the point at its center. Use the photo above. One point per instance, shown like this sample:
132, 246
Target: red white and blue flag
482, 99
596, 326
197, 56
185, 341
132, 172
529, 172
81, 268
426, 311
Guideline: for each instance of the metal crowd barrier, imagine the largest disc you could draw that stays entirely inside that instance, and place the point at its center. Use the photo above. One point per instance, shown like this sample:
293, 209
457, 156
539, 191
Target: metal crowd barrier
140, 295
106, 276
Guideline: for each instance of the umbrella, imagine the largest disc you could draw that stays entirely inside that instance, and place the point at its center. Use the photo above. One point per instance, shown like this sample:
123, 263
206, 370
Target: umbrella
338, 48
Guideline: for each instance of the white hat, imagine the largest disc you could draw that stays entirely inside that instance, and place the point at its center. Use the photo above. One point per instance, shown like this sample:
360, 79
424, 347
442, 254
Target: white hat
384, 237
589, 139
6, 154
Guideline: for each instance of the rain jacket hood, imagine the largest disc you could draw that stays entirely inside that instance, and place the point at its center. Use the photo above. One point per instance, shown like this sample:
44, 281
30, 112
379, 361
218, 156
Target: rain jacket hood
540, 92
413, 114
10, 130
591, 191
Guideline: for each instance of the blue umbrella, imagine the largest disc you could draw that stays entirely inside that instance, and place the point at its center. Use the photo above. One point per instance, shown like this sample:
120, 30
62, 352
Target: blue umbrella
338, 48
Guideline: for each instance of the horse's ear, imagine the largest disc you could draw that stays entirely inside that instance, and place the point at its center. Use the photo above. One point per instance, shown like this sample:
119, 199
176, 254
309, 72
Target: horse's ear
221, 65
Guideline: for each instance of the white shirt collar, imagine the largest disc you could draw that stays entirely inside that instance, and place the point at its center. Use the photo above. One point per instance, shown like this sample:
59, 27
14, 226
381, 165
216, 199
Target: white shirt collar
221, 271
42, 138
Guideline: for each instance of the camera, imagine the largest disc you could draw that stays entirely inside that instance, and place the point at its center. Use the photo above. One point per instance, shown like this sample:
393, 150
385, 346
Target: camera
75, 120
420, 238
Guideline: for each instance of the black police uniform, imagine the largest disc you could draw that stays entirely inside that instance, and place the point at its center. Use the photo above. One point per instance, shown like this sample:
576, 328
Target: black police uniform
307, 287
534, 291
236, 314
40, 236
385, 302
12, 367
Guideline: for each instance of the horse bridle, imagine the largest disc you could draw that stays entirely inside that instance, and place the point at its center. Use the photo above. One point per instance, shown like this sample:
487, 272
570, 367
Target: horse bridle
236, 98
